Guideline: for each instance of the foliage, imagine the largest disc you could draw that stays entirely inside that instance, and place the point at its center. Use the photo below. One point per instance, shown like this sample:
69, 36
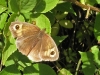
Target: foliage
75, 31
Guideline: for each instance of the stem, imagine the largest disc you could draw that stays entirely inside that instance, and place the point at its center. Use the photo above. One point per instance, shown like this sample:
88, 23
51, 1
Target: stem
84, 6
77, 68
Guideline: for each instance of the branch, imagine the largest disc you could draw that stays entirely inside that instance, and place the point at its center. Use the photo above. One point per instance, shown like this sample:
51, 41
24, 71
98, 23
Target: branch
85, 6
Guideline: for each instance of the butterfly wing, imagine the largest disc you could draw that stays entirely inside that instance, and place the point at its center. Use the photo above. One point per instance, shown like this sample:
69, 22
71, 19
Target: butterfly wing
45, 48
23, 29
48, 50
25, 35
28, 47
34, 54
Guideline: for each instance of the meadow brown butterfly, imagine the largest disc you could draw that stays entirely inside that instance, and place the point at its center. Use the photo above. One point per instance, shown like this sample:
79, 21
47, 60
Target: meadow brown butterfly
34, 42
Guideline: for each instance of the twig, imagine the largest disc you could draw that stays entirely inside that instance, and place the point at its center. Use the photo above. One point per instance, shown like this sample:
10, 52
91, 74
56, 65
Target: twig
85, 6
78, 65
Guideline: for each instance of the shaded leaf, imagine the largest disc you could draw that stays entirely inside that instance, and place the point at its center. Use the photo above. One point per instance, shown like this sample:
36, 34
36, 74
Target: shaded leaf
66, 7
10, 70
97, 27
22, 6
88, 66
59, 39
39, 69
45, 5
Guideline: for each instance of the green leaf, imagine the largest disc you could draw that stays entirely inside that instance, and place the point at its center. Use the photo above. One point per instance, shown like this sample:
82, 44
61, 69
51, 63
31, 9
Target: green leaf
45, 5
64, 72
42, 22
55, 29
91, 2
39, 69
59, 39
18, 56
12, 6
98, 1
8, 50
9, 62
88, 69
9, 47
2, 9
61, 15
21, 60
26, 5
96, 53
21, 18
97, 27
3, 19
66, 23
91, 61
51, 17
3, 2
88, 66
67, 6
11, 19
22, 6
10, 70
27, 15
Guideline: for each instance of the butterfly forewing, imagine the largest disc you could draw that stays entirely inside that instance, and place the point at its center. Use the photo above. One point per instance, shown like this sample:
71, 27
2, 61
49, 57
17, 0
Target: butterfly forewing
25, 29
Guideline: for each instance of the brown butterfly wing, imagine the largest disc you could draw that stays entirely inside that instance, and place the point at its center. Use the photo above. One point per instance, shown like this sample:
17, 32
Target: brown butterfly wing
34, 54
48, 50
26, 44
26, 36
29, 47
25, 29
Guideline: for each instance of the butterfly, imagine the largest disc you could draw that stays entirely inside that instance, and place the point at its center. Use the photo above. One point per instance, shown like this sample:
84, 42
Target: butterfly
34, 42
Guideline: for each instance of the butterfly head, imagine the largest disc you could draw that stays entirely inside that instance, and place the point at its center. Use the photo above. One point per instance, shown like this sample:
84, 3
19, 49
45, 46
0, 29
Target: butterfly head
16, 29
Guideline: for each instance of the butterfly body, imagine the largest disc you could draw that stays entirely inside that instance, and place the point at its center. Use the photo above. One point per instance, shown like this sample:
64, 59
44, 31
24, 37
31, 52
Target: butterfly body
34, 42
